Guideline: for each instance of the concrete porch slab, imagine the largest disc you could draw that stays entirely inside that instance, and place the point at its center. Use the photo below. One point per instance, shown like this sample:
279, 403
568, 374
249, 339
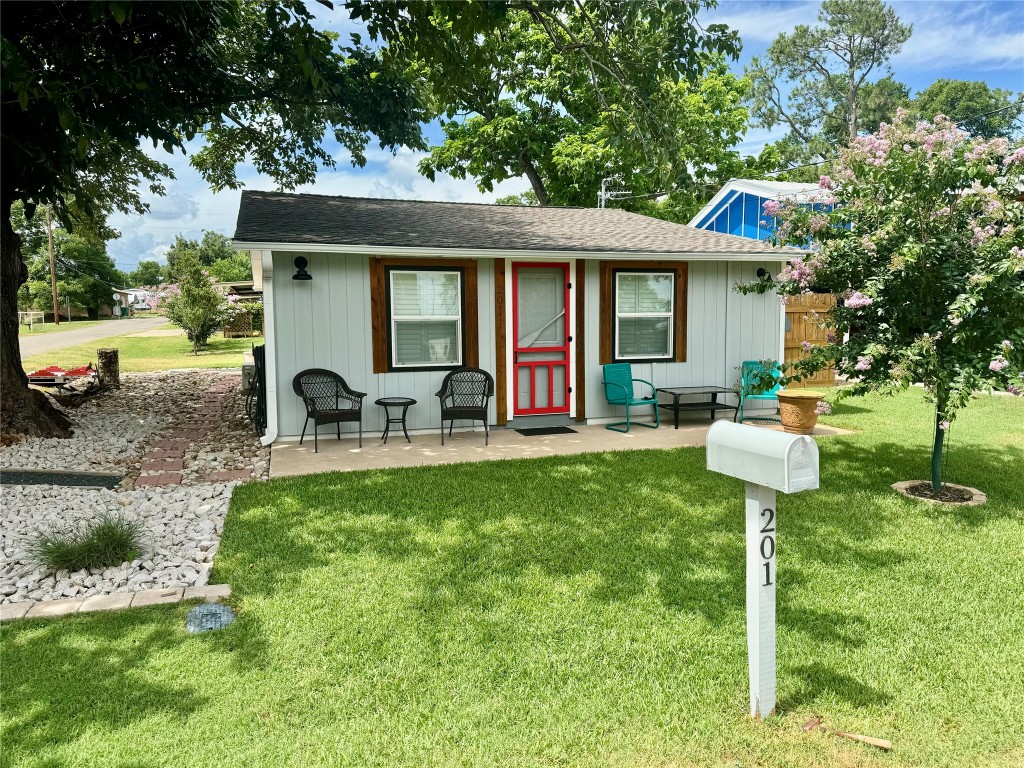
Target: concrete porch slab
288, 458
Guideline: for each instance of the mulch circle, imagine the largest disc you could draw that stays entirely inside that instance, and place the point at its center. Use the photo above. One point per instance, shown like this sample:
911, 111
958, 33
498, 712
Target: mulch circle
950, 493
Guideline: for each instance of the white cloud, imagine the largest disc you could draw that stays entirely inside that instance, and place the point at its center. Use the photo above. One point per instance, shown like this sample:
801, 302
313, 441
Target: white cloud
762, 22
947, 35
191, 207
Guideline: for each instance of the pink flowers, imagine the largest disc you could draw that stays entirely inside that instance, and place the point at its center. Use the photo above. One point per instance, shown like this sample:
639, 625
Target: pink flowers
825, 182
864, 363
1015, 158
818, 222
858, 300
998, 363
1014, 390
823, 408
806, 346
800, 272
944, 425
772, 208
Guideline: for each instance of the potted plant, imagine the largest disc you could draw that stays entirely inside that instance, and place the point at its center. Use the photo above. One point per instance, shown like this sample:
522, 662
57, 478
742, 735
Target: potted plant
798, 408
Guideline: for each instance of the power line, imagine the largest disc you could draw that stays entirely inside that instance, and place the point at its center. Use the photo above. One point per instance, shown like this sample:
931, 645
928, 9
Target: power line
961, 123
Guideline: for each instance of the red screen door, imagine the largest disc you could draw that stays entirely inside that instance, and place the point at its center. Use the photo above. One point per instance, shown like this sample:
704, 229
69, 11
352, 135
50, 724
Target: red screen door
540, 333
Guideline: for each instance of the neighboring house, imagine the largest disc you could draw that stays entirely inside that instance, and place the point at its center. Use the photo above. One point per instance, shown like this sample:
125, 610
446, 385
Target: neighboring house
131, 300
738, 207
399, 292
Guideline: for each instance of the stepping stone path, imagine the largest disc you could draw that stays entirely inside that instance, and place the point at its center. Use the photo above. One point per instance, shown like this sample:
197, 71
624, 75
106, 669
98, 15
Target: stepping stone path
182, 441
166, 458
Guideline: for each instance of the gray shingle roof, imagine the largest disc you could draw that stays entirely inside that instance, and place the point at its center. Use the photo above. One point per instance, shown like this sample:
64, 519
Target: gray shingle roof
277, 217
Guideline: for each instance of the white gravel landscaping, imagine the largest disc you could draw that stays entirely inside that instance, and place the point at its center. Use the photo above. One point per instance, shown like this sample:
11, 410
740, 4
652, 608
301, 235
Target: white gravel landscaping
109, 434
117, 432
182, 533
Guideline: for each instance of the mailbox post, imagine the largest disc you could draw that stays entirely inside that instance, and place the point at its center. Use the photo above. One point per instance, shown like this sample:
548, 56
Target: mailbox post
768, 461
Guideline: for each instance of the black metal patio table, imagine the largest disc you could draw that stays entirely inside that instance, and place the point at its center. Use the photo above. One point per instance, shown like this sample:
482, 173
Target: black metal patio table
394, 402
701, 405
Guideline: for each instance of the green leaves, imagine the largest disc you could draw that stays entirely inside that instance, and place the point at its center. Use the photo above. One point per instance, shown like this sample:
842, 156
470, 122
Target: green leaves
925, 254
829, 66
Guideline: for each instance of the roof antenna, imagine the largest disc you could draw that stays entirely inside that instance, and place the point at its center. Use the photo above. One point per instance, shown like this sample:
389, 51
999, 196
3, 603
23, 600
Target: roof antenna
609, 192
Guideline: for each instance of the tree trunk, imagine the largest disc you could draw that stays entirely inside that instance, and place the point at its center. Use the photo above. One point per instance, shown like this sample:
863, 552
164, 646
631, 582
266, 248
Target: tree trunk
108, 368
940, 435
853, 108
535, 180
23, 411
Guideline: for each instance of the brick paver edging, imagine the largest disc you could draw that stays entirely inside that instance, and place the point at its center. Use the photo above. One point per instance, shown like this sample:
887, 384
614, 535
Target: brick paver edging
30, 609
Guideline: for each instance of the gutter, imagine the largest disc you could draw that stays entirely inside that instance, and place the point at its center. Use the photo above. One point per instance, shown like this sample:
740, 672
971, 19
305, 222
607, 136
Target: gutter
520, 255
266, 264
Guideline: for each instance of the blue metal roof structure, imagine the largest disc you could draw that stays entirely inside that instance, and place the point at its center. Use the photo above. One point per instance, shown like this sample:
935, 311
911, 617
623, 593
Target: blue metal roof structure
738, 207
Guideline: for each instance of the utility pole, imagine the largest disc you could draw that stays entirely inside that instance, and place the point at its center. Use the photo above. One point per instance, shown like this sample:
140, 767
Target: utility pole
53, 270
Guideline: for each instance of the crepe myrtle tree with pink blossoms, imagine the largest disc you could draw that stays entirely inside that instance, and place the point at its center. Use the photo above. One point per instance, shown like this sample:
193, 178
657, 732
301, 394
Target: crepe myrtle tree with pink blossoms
923, 245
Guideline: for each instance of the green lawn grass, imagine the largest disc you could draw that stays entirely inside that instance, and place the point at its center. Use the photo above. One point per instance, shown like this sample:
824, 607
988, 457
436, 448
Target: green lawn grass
149, 353
570, 611
38, 328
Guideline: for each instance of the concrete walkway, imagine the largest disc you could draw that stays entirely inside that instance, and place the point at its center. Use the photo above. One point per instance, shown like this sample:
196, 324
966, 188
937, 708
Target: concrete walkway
288, 458
48, 342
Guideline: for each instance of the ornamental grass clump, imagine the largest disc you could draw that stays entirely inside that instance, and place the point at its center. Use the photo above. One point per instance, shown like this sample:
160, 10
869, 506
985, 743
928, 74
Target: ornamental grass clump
107, 541
924, 250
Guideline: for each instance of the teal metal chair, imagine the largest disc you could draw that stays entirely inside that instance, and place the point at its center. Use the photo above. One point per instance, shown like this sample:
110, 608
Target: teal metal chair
748, 373
618, 390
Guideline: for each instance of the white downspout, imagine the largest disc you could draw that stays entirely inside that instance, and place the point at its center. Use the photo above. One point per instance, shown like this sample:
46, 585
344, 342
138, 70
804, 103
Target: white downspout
269, 342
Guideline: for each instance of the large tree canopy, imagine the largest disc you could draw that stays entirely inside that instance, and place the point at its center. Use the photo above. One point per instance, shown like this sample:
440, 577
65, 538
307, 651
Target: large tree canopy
978, 109
84, 83
831, 69
536, 107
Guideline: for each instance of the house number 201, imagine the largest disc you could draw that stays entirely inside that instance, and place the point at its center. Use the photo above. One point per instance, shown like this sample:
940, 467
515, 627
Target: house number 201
768, 544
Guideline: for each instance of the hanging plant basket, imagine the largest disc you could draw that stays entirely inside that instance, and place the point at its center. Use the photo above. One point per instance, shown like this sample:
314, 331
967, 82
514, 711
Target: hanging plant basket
797, 410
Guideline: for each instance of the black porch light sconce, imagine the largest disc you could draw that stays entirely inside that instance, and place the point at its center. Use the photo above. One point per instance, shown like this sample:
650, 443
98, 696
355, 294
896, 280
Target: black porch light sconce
300, 269
763, 274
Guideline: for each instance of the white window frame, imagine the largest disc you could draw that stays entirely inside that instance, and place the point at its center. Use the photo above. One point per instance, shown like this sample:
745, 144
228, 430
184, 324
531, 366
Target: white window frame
394, 319
670, 316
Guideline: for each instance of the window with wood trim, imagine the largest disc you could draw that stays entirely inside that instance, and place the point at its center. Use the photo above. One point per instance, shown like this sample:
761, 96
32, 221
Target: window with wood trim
642, 312
643, 315
424, 314
424, 317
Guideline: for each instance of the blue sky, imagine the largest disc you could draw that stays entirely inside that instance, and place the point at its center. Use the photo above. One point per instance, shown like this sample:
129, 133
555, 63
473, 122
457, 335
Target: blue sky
952, 39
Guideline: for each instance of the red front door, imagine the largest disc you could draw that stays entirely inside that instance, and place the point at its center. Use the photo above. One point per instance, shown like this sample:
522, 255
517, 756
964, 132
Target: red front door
540, 338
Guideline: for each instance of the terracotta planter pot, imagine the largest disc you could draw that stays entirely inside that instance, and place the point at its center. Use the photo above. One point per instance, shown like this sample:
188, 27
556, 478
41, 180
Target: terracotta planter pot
796, 409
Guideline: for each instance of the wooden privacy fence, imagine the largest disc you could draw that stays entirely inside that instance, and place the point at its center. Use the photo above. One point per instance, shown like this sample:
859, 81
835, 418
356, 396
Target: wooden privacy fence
804, 315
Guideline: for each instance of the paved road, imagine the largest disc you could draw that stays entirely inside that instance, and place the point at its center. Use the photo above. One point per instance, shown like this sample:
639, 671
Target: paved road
48, 342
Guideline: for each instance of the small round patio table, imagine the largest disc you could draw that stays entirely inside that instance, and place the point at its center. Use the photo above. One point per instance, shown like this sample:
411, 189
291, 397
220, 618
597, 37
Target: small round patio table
394, 402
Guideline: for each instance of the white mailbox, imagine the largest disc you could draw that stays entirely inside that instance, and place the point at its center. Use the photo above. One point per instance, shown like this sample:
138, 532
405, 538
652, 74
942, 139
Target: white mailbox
768, 461
787, 463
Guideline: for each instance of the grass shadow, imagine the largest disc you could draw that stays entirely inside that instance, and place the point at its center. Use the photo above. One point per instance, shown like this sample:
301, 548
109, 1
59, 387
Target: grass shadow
65, 676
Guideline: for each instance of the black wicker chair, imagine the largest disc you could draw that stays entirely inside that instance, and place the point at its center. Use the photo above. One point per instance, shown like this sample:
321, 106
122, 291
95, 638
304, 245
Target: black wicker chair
464, 394
328, 400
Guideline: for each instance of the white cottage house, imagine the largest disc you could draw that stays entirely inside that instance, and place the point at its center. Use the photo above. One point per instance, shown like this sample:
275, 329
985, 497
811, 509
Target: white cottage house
392, 294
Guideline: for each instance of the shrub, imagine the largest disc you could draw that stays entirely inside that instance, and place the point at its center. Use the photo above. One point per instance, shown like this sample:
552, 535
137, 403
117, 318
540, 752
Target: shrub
107, 541
193, 304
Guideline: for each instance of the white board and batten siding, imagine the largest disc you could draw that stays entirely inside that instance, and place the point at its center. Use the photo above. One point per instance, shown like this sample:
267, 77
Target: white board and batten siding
723, 328
326, 323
